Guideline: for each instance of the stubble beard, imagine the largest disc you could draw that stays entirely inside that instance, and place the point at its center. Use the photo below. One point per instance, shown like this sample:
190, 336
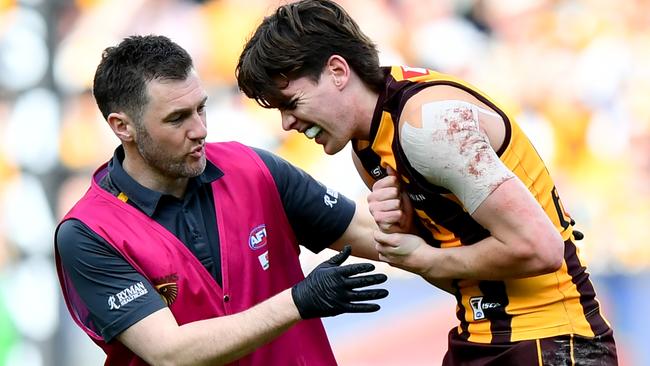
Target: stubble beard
161, 160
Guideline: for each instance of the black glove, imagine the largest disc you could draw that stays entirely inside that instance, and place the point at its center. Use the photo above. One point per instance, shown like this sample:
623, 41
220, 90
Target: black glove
329, 289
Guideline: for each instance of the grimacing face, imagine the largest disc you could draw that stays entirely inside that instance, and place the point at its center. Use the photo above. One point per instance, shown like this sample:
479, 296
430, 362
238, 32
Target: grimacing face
318, 110
171, 134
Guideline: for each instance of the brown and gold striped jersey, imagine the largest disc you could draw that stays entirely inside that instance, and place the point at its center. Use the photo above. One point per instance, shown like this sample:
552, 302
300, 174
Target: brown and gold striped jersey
542, 306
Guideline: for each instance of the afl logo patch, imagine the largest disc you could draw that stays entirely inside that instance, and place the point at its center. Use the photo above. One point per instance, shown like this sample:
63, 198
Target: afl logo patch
257, 237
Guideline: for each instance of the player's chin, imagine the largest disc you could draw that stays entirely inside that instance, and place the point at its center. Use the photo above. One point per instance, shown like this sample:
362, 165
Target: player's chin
332, 147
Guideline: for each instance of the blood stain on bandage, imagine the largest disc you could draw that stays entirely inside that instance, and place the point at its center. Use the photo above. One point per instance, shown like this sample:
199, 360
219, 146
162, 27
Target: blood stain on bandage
465, 113
473, 167
482, 159
462, 131
457, 119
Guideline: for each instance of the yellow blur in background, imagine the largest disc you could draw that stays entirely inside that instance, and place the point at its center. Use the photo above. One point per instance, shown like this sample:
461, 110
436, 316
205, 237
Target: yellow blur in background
575, 72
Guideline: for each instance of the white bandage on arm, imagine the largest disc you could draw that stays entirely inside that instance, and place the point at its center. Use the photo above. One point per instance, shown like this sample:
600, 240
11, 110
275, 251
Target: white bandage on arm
451, 151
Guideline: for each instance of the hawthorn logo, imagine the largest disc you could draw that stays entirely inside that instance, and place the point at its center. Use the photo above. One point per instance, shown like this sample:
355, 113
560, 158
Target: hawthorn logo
167, 288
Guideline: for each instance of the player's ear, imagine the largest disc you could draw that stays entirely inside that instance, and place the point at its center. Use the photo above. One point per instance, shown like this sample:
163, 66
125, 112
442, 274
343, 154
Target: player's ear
338, 70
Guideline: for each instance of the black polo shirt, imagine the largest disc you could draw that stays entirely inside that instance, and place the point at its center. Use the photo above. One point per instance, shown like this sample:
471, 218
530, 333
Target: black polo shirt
97, 270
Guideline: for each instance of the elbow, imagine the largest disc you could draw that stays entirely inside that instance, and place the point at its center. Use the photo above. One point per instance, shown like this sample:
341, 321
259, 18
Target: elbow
545, 253
554, 250
550, 253
166, 359
172, 358
549, 263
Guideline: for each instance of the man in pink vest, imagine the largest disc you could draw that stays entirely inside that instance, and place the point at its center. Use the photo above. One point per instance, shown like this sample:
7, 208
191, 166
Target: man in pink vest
186, 253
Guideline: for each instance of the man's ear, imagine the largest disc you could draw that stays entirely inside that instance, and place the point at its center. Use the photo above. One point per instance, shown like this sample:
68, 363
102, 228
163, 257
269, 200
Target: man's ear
122, 126
339, 70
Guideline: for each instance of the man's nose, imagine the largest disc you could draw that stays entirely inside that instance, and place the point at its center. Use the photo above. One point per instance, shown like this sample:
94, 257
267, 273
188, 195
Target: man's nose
288, 120
199, 129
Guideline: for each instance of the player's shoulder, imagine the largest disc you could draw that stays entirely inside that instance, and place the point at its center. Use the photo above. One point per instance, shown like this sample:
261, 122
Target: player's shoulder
437, 93
412, 109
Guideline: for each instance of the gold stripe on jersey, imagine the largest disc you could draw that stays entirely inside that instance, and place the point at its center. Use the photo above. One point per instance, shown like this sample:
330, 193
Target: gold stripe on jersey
382, 144
536, 307
520, 157
539, 353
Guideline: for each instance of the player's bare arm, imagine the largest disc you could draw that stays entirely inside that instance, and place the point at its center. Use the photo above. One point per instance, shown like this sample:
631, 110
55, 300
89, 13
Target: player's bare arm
359, 235
452, 143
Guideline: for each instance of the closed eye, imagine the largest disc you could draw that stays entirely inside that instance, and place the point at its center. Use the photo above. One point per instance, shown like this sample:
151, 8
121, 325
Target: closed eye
177, 118
289, 105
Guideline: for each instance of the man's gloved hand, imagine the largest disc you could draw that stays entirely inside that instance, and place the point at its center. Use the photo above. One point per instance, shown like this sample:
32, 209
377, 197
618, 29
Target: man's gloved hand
330, 290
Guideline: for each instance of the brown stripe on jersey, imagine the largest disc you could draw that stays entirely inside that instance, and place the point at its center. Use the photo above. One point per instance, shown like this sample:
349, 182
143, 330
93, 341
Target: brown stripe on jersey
445, 212
580, 278
371, 161
500, 321
460, 311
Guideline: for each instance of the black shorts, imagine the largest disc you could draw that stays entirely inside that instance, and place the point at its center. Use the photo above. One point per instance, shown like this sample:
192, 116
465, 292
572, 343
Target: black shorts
564, 350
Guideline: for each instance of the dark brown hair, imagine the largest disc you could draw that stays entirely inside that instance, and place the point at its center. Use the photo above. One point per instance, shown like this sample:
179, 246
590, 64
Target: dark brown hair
120, 83
296, 41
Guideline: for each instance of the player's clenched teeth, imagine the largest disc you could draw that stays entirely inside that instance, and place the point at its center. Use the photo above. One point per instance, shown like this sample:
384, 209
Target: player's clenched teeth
313, 131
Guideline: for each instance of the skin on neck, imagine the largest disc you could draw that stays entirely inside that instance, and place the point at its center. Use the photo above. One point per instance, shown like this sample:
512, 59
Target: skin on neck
366, 100
359, 99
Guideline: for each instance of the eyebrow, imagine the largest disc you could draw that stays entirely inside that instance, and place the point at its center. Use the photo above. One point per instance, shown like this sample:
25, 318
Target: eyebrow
286, 104
183, 111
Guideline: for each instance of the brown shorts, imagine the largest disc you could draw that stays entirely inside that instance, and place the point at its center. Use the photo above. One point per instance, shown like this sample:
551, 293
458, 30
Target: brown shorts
562, 350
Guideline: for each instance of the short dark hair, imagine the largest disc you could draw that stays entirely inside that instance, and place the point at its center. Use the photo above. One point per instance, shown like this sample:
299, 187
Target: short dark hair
296, 41
121, 78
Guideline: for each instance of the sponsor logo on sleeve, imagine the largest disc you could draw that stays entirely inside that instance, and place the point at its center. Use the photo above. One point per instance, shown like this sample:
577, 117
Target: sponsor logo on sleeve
126, 296
330, 198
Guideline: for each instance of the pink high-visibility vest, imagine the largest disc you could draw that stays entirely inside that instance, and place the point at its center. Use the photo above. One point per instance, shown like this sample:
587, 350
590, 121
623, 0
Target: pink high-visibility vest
259, 258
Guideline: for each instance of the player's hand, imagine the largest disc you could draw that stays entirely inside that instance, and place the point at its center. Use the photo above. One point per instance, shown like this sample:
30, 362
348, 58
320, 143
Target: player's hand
389, 206
330, 288
405, 251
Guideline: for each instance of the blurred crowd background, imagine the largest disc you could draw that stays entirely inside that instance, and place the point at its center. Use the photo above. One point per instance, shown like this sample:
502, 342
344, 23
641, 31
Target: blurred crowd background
575, 72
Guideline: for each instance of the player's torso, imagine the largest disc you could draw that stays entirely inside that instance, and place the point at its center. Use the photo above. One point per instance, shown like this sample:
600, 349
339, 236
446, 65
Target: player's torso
489, 311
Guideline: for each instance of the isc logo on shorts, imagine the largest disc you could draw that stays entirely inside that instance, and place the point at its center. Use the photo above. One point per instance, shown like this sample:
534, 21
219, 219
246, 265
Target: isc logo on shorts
257, 237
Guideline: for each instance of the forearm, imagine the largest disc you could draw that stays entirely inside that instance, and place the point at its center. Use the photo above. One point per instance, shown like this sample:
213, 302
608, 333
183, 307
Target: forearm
488, 259
229, 338
359, 235
217, 341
